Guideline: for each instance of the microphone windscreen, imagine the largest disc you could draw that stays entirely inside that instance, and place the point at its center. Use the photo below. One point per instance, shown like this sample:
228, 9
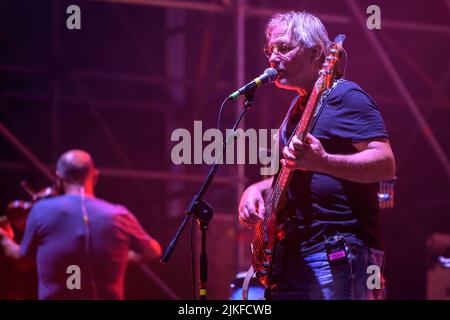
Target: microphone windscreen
272, 73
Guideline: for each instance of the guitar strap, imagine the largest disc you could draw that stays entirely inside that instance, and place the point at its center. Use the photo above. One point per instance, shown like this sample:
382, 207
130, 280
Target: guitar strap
245, 285
322, 102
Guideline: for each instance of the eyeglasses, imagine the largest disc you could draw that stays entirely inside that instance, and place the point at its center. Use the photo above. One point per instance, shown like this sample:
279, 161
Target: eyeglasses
281, 49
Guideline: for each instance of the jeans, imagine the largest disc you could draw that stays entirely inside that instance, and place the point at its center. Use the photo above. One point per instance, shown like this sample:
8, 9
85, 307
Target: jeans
310, 276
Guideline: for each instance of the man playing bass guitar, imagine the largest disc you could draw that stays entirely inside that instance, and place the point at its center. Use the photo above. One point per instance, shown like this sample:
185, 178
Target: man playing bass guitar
332, 230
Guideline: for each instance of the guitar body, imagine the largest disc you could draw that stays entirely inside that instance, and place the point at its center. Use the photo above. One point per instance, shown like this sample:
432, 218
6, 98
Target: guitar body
263, 248
266, 245
268, 233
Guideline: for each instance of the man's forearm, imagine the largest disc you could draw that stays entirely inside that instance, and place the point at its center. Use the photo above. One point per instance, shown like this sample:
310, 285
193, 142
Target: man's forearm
264, 185
12, 251
367, 166
10, 248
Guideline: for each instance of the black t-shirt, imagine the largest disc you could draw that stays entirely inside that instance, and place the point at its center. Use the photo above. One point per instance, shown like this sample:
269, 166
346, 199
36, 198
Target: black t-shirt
322, 205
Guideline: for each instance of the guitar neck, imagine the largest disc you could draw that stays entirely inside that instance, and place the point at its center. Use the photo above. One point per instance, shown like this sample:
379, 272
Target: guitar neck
305, 125
279, 189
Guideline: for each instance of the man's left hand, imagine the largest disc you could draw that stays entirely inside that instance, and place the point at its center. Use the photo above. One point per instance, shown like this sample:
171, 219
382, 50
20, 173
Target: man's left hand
5, 230
310, 156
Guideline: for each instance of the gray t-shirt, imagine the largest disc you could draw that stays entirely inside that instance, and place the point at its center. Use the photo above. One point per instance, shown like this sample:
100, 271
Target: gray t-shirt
55, 234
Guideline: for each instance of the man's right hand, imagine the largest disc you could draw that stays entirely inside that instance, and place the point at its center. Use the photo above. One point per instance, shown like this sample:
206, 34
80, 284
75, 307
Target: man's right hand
251, 207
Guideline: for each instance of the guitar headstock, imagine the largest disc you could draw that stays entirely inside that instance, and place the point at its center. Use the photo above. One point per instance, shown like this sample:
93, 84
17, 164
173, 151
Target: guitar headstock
330, 66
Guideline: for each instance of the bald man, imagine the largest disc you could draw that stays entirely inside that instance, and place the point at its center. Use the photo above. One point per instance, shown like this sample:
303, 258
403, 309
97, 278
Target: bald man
81, 243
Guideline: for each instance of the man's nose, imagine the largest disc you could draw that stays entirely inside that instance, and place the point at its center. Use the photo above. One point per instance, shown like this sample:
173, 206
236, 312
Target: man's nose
274, 59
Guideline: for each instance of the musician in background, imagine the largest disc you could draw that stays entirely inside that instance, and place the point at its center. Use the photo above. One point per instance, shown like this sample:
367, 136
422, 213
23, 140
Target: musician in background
333, 193
17, 281
77, 234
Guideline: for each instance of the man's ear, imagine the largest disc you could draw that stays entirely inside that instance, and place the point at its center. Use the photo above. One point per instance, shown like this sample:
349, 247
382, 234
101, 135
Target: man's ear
59, 184
95, 176
316, 53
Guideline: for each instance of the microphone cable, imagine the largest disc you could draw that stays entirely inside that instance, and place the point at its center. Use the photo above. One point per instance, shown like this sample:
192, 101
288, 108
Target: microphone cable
219, 116
87, 244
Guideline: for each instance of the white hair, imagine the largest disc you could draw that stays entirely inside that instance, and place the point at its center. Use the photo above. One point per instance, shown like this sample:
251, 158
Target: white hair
301, 27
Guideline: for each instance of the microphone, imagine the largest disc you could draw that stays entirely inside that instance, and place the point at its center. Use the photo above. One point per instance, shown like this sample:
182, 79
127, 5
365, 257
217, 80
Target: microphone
269, 75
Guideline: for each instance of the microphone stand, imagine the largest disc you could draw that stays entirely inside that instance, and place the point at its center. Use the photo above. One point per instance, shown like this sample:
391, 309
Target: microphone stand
201, 210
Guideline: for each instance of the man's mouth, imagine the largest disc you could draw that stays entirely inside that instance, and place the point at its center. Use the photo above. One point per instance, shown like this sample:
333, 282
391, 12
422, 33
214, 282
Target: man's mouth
281, 73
